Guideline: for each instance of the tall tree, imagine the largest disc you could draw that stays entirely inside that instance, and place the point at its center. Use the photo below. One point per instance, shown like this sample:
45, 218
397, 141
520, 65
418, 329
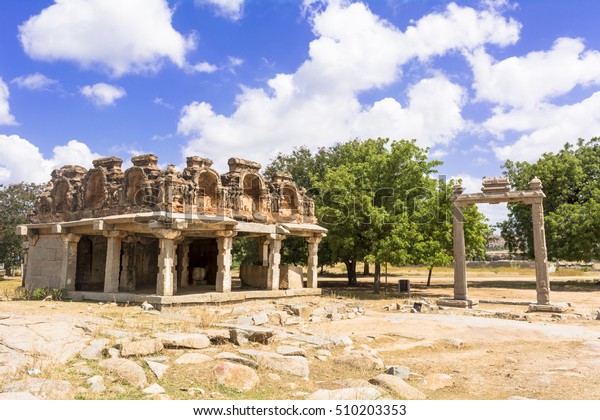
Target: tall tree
571, 182
367, 195
16, 203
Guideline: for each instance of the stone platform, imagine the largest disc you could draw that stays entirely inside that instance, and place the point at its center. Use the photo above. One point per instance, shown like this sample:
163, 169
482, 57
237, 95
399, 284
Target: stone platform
197, 297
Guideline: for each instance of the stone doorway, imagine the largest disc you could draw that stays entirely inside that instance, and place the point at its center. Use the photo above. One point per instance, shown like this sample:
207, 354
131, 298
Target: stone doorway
91, 263
202, 255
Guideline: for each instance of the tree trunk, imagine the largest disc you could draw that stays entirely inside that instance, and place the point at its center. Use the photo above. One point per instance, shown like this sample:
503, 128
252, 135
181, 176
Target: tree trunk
351, 268
322, 270
429, 275
377, 278
366, 270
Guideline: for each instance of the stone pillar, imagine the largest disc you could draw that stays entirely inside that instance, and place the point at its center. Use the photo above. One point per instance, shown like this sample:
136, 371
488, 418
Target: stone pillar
224, 243
274, 261
263, 250
166, 268
69, 262
460, 264
313, 262
184, 250
541, 256
112, 268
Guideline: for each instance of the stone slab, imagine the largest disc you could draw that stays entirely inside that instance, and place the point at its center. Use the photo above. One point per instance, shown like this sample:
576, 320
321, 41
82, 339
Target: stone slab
556, 307
458, 303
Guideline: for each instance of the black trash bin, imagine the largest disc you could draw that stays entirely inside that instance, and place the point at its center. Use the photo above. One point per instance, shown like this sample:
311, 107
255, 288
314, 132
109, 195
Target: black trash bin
404, 287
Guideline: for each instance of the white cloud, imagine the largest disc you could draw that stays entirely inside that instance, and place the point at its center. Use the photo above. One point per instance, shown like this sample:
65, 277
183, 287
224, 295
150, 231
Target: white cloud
524, 89
160, 101
125, 36
20, 160
354, 51
6, 118
536, 77
35, 81
230, 9
546, 128
102, 94
202, 67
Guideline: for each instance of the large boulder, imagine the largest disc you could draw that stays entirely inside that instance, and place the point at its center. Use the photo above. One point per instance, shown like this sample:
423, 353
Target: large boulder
126, 370
184, 340
141, 347
396, 385
293, 365
233, 375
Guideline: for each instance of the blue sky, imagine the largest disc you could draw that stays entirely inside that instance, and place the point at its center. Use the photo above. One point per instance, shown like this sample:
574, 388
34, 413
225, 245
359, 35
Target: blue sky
478, 82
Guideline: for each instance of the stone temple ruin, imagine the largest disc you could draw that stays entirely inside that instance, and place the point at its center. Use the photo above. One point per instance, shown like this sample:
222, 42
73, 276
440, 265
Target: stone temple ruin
108, 233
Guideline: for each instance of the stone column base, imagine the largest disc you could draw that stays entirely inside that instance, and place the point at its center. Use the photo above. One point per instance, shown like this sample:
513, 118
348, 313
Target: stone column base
549, 307
458, 303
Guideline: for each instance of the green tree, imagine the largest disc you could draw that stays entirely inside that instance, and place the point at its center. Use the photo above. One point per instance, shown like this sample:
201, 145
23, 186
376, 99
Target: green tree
367, 196
16, 203
571, 182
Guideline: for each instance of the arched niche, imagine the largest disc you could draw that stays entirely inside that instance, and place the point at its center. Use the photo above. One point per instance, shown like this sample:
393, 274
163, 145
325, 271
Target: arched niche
251, 185
289, 203
95, 193
207, 192
62, 201
134, 186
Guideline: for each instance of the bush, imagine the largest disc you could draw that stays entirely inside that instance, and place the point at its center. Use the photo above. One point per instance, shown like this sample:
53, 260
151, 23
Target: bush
40, 293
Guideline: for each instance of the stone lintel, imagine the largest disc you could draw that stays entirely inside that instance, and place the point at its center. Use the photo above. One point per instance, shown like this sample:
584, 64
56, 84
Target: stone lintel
98, 225
56, 228
522, 197
457, 303
551, 307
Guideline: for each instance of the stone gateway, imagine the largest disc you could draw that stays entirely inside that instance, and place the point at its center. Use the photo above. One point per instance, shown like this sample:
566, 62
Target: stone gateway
161, 232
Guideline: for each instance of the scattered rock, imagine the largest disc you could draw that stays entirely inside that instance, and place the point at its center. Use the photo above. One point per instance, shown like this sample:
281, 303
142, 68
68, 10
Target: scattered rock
260, 318
17, 396
400, 371
94, 350
273, 376
366, 393
236, 376
154, 389
113, 352
321, 357
127, 370
217, 335
46, 389
436, 381
234, 358
359, 359
146, 306
141, 347
303, 311
278, 317
193, 359
323, 352
291, 351
453, 342
96, 383
315, 340
397, 385
241, 334
157, 368
183, 340
293, 365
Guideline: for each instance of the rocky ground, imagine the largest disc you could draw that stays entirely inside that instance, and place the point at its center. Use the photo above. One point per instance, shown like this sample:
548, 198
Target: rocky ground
317, 348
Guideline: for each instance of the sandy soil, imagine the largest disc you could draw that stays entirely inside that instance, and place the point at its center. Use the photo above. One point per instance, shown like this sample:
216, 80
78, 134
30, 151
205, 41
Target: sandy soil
496, 351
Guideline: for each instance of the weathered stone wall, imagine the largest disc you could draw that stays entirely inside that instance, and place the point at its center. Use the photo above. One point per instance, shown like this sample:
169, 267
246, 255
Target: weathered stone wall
45, 262
243, 193
290, 277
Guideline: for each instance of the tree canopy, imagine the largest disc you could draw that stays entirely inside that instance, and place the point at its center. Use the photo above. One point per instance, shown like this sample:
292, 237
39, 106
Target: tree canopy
380, 204
16, 202
571, 182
